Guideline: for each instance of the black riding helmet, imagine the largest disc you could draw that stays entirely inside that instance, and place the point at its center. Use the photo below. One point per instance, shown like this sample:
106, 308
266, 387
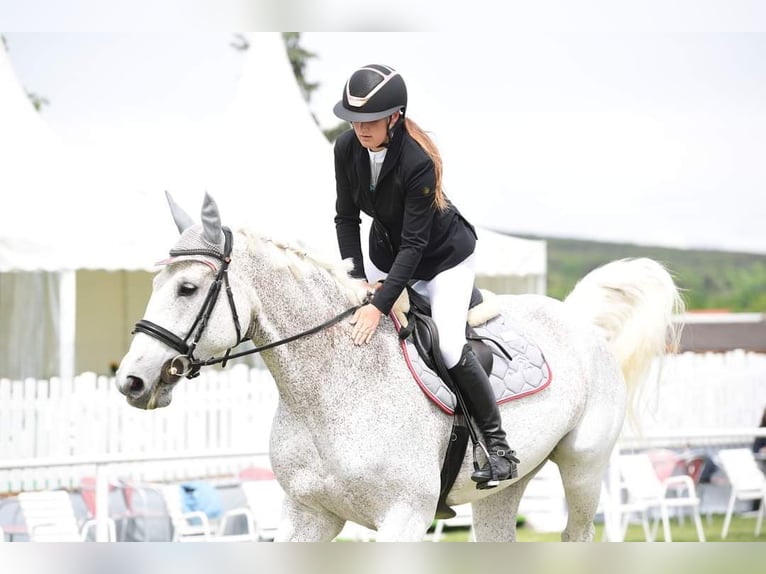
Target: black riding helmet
371, 93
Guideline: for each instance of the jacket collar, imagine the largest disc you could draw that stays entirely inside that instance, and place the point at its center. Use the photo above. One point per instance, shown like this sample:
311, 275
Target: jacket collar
394, 150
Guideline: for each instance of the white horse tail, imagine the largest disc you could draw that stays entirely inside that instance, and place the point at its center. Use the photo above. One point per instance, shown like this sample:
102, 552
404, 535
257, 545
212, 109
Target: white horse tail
632, 302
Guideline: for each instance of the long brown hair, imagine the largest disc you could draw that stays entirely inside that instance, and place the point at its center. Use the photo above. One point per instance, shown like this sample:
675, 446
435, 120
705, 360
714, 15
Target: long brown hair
415, 131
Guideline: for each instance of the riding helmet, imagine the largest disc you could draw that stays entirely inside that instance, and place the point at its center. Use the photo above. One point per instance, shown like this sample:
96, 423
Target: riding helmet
371, 93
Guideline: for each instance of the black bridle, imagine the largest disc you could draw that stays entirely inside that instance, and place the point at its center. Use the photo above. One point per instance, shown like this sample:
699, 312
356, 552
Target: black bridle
185, 364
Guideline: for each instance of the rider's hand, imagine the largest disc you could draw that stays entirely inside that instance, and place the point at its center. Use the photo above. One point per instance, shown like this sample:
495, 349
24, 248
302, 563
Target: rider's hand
365, 321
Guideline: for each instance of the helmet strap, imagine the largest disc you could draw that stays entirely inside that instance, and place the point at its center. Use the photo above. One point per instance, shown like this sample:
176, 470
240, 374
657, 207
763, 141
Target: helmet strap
391, 128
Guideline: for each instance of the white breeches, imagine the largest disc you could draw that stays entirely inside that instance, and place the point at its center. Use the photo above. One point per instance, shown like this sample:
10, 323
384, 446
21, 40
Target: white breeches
449, 294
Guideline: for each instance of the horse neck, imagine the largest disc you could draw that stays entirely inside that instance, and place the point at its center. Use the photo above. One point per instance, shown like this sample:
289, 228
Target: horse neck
294, 292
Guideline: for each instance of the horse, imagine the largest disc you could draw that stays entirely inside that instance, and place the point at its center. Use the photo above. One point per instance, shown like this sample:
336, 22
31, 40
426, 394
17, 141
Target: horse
353, 437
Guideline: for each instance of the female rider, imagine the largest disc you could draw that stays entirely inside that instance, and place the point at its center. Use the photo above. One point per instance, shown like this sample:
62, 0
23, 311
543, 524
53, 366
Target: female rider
387, 167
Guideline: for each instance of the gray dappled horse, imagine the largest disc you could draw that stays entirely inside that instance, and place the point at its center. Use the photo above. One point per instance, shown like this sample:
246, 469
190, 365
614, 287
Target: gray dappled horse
353, 437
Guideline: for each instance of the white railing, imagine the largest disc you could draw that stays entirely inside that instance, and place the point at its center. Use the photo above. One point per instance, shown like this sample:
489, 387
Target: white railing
691, 438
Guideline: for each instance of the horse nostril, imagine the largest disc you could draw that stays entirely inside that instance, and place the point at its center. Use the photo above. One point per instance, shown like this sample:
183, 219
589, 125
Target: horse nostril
135, 386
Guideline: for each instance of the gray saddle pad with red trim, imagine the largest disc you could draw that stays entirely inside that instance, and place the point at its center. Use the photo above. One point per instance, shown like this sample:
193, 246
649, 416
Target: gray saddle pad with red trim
528, 371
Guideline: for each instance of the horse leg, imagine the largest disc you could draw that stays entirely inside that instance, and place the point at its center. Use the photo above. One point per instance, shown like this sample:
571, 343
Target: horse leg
405, 523
494, 517
303, 524
582, 461
582, 486
583, 455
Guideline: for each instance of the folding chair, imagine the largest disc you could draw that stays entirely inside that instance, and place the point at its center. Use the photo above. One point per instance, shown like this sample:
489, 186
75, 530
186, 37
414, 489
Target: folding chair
624, 511
264, 501
747, 483
117, 509
195, 525
50, 517
647, 492
694, 466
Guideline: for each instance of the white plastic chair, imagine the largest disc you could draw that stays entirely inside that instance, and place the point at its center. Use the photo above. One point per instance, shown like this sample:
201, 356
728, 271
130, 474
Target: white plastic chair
262, 512
646, 492
50, 517
747, 483
194, 525
624, 511
189, 526
264, 501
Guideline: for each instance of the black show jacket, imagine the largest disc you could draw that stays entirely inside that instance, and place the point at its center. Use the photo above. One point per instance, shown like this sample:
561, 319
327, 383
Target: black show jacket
409, 237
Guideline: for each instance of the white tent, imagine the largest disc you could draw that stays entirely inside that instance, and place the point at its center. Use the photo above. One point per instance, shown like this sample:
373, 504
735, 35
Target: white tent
71, 283
29, 302
508, 264
77, 244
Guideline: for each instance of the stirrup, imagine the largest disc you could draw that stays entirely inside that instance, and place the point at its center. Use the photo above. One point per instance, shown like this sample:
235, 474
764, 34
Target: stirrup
494, 480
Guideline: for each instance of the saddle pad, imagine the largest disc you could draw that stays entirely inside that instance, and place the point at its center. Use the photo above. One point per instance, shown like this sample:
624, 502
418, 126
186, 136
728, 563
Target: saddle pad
526, 374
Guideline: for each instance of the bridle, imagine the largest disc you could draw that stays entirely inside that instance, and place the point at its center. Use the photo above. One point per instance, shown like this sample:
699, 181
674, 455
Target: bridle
185, 364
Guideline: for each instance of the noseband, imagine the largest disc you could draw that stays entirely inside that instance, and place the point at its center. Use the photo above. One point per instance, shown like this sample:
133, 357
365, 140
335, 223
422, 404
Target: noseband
185, 364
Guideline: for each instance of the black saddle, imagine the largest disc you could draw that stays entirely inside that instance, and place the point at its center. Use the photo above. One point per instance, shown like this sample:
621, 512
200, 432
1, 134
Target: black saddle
424, 334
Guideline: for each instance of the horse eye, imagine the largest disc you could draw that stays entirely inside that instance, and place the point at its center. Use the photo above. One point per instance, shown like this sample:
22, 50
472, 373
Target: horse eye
186, 289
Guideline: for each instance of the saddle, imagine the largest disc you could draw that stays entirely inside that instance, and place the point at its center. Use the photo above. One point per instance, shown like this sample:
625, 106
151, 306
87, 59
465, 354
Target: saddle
418, 324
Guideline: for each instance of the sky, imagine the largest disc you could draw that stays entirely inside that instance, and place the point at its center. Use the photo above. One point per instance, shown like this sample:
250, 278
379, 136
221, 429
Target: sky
647, 137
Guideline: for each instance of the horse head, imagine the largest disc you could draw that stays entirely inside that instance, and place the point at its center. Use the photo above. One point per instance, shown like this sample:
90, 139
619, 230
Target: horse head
198, 309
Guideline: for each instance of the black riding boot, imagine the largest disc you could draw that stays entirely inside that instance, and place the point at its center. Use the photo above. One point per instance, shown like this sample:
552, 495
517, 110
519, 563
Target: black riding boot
475, 389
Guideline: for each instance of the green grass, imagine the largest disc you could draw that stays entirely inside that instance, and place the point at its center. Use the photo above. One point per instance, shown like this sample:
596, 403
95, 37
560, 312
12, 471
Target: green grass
742, 529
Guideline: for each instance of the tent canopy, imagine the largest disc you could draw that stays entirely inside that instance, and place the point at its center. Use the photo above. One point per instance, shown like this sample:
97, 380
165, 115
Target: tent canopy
268, 166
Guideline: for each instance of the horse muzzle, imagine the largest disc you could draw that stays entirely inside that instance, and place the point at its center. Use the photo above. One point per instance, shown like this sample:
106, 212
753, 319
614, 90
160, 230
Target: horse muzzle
143, 395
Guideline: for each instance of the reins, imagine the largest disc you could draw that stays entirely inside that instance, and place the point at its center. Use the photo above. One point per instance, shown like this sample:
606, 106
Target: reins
329, 323
185, 364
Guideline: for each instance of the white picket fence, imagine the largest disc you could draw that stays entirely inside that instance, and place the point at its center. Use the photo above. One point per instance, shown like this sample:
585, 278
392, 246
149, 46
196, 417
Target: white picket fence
231, 410
698, 392
220, 411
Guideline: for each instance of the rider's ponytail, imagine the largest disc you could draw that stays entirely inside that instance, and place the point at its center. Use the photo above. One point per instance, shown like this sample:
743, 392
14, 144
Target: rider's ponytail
440, 200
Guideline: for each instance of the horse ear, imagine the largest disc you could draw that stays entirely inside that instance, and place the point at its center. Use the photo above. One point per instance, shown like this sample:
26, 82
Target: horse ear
211, 221
183, 220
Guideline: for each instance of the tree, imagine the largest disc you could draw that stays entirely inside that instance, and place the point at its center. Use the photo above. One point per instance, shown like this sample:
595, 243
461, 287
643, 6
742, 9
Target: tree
37, 101
332, 133
299, 58
240, 42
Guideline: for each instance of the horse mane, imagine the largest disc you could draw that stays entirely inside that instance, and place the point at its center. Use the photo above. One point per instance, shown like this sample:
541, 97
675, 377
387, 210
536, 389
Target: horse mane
302, 264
